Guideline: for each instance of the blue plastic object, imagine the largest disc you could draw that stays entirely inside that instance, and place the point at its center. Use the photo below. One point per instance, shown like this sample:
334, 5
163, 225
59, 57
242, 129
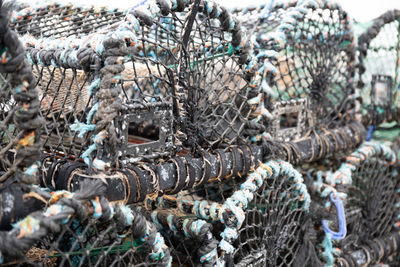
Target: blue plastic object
341, 219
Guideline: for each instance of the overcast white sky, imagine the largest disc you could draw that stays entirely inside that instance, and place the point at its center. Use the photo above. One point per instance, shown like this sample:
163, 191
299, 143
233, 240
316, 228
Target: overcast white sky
361, 10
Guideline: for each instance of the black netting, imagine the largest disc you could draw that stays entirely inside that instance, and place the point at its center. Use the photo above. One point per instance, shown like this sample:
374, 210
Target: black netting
7, 130
373, 197
271, 234
219, 87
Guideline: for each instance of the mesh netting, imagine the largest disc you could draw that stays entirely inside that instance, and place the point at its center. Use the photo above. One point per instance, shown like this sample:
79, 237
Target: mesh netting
307, 55
272, 231
257, 219
89, 243
199, 70
160, 108
65, 80
378, 72
64, 100
84, 229
375, 194
59, 20
379, 52
368, 183
158, 80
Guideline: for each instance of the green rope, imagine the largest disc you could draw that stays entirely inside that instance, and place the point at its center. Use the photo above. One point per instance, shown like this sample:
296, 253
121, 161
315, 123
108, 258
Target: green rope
127, 245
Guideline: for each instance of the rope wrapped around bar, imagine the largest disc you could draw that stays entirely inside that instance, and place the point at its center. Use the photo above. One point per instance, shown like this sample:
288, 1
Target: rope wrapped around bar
372, 252
138, 181
319, 145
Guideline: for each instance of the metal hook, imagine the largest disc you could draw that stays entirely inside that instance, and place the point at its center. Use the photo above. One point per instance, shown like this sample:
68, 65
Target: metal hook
341, 219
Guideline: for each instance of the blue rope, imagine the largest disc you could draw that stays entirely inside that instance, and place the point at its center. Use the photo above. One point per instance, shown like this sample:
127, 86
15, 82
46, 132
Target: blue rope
341, 220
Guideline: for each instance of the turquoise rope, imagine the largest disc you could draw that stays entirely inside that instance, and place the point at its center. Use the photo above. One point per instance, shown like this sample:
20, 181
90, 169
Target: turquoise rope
328, 251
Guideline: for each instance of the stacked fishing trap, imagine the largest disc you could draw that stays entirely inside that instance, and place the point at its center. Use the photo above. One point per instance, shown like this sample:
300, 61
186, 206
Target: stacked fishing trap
379, 75
182, 133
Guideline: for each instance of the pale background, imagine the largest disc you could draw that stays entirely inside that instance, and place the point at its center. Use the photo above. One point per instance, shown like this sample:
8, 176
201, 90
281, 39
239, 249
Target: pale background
361, 10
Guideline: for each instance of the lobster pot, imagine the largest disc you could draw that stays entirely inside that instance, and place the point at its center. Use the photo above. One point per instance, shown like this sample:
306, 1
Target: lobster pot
264, 229
367, 182
306, 55
378, 47
375, 200
167, 77
378, 74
